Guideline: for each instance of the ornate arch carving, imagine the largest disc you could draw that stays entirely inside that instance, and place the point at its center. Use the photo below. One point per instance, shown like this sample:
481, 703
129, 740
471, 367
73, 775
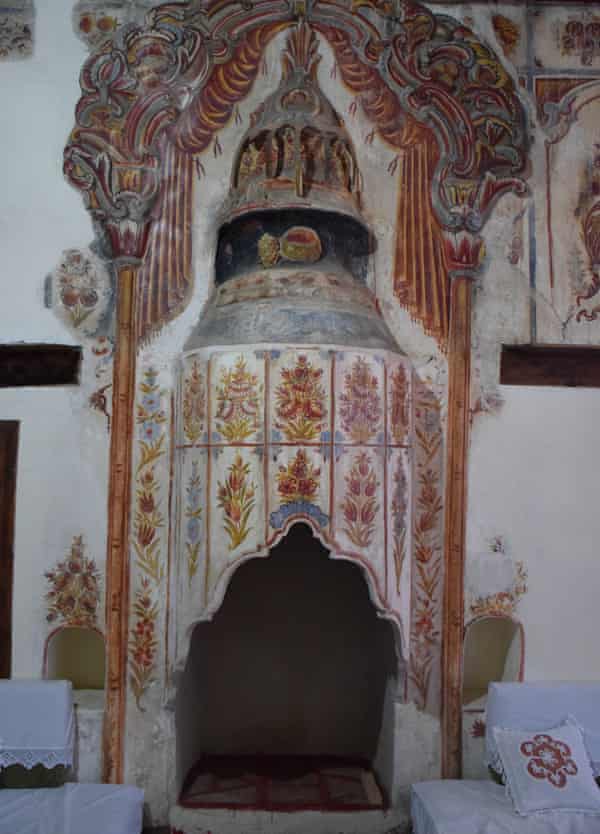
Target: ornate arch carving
161, 93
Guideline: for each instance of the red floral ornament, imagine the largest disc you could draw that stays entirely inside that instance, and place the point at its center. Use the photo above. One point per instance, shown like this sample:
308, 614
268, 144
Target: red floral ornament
299, 480
478, 728
300, 401
549, 759
360, 402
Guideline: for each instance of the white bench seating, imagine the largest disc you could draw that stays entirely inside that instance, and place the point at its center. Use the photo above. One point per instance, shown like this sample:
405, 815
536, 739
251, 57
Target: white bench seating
37, 728
482, 806
72, 809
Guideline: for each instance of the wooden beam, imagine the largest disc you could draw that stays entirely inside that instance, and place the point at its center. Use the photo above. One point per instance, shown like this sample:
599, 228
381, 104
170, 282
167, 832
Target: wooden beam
39, 365
459, 379
576, 366
119, 501
9, 441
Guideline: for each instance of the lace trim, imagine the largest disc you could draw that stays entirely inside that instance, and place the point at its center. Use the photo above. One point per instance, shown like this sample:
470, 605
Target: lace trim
30, 758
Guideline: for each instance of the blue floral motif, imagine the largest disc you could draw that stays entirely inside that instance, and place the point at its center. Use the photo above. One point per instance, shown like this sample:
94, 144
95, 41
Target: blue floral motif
193, 530
151, 401
278, 518
150, 431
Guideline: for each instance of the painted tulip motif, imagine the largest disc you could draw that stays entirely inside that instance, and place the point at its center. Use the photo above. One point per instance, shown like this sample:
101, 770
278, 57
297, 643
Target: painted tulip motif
194, 406
238, 402
399, 404
143, 643
236, 497
399, 511
360, 505
360, 408
299, 480
300, 399
147, 521
193, 514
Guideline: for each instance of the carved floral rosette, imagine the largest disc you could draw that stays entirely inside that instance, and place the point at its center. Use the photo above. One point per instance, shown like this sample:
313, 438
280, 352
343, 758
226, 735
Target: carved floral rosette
321, 436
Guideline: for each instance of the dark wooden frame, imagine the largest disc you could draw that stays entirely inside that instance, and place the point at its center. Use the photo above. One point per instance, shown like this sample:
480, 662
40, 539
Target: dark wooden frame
39, 365
9, 442
575, 366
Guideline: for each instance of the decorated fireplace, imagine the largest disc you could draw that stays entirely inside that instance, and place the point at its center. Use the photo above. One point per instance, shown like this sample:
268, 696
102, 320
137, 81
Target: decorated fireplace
293, 442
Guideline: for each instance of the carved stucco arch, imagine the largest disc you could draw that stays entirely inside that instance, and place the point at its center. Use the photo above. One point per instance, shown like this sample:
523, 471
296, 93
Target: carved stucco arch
151, 101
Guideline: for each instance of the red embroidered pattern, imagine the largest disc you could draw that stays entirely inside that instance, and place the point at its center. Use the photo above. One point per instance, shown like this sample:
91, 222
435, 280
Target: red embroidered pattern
549, 759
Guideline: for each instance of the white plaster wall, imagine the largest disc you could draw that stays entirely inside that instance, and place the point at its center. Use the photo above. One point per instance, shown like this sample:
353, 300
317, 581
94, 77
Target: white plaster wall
62, 462
62, 473
534, 478
40, 214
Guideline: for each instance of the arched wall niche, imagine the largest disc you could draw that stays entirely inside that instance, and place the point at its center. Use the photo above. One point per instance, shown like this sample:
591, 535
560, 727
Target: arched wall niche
494, 650
316, 673
77, 654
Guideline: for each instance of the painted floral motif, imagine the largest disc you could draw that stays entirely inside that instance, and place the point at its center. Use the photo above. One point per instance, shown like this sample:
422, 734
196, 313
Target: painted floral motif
300, 397
74, 593
478, 728
143, 643
399, 404
399, 510
79, 285
360, 408
193, 514
194, 406
150, 419
100, 400
360, 505
428, 557
503, 603
238, 402
299, 480
16, 30
148, 520
550, 759
236, 497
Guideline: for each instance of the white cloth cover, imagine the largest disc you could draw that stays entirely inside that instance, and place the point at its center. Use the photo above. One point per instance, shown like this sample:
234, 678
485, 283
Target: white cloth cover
39, 811
36, 723
482, 807
100, 809
72, 809
537, 706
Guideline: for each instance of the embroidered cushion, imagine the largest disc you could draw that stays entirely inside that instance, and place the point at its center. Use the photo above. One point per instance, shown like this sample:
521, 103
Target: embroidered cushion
548, 770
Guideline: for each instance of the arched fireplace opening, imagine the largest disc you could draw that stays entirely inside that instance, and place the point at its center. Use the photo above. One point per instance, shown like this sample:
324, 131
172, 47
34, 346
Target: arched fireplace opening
285, 695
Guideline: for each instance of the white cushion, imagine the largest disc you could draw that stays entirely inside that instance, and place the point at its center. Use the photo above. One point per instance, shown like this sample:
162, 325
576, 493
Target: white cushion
537, 706
548, 770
